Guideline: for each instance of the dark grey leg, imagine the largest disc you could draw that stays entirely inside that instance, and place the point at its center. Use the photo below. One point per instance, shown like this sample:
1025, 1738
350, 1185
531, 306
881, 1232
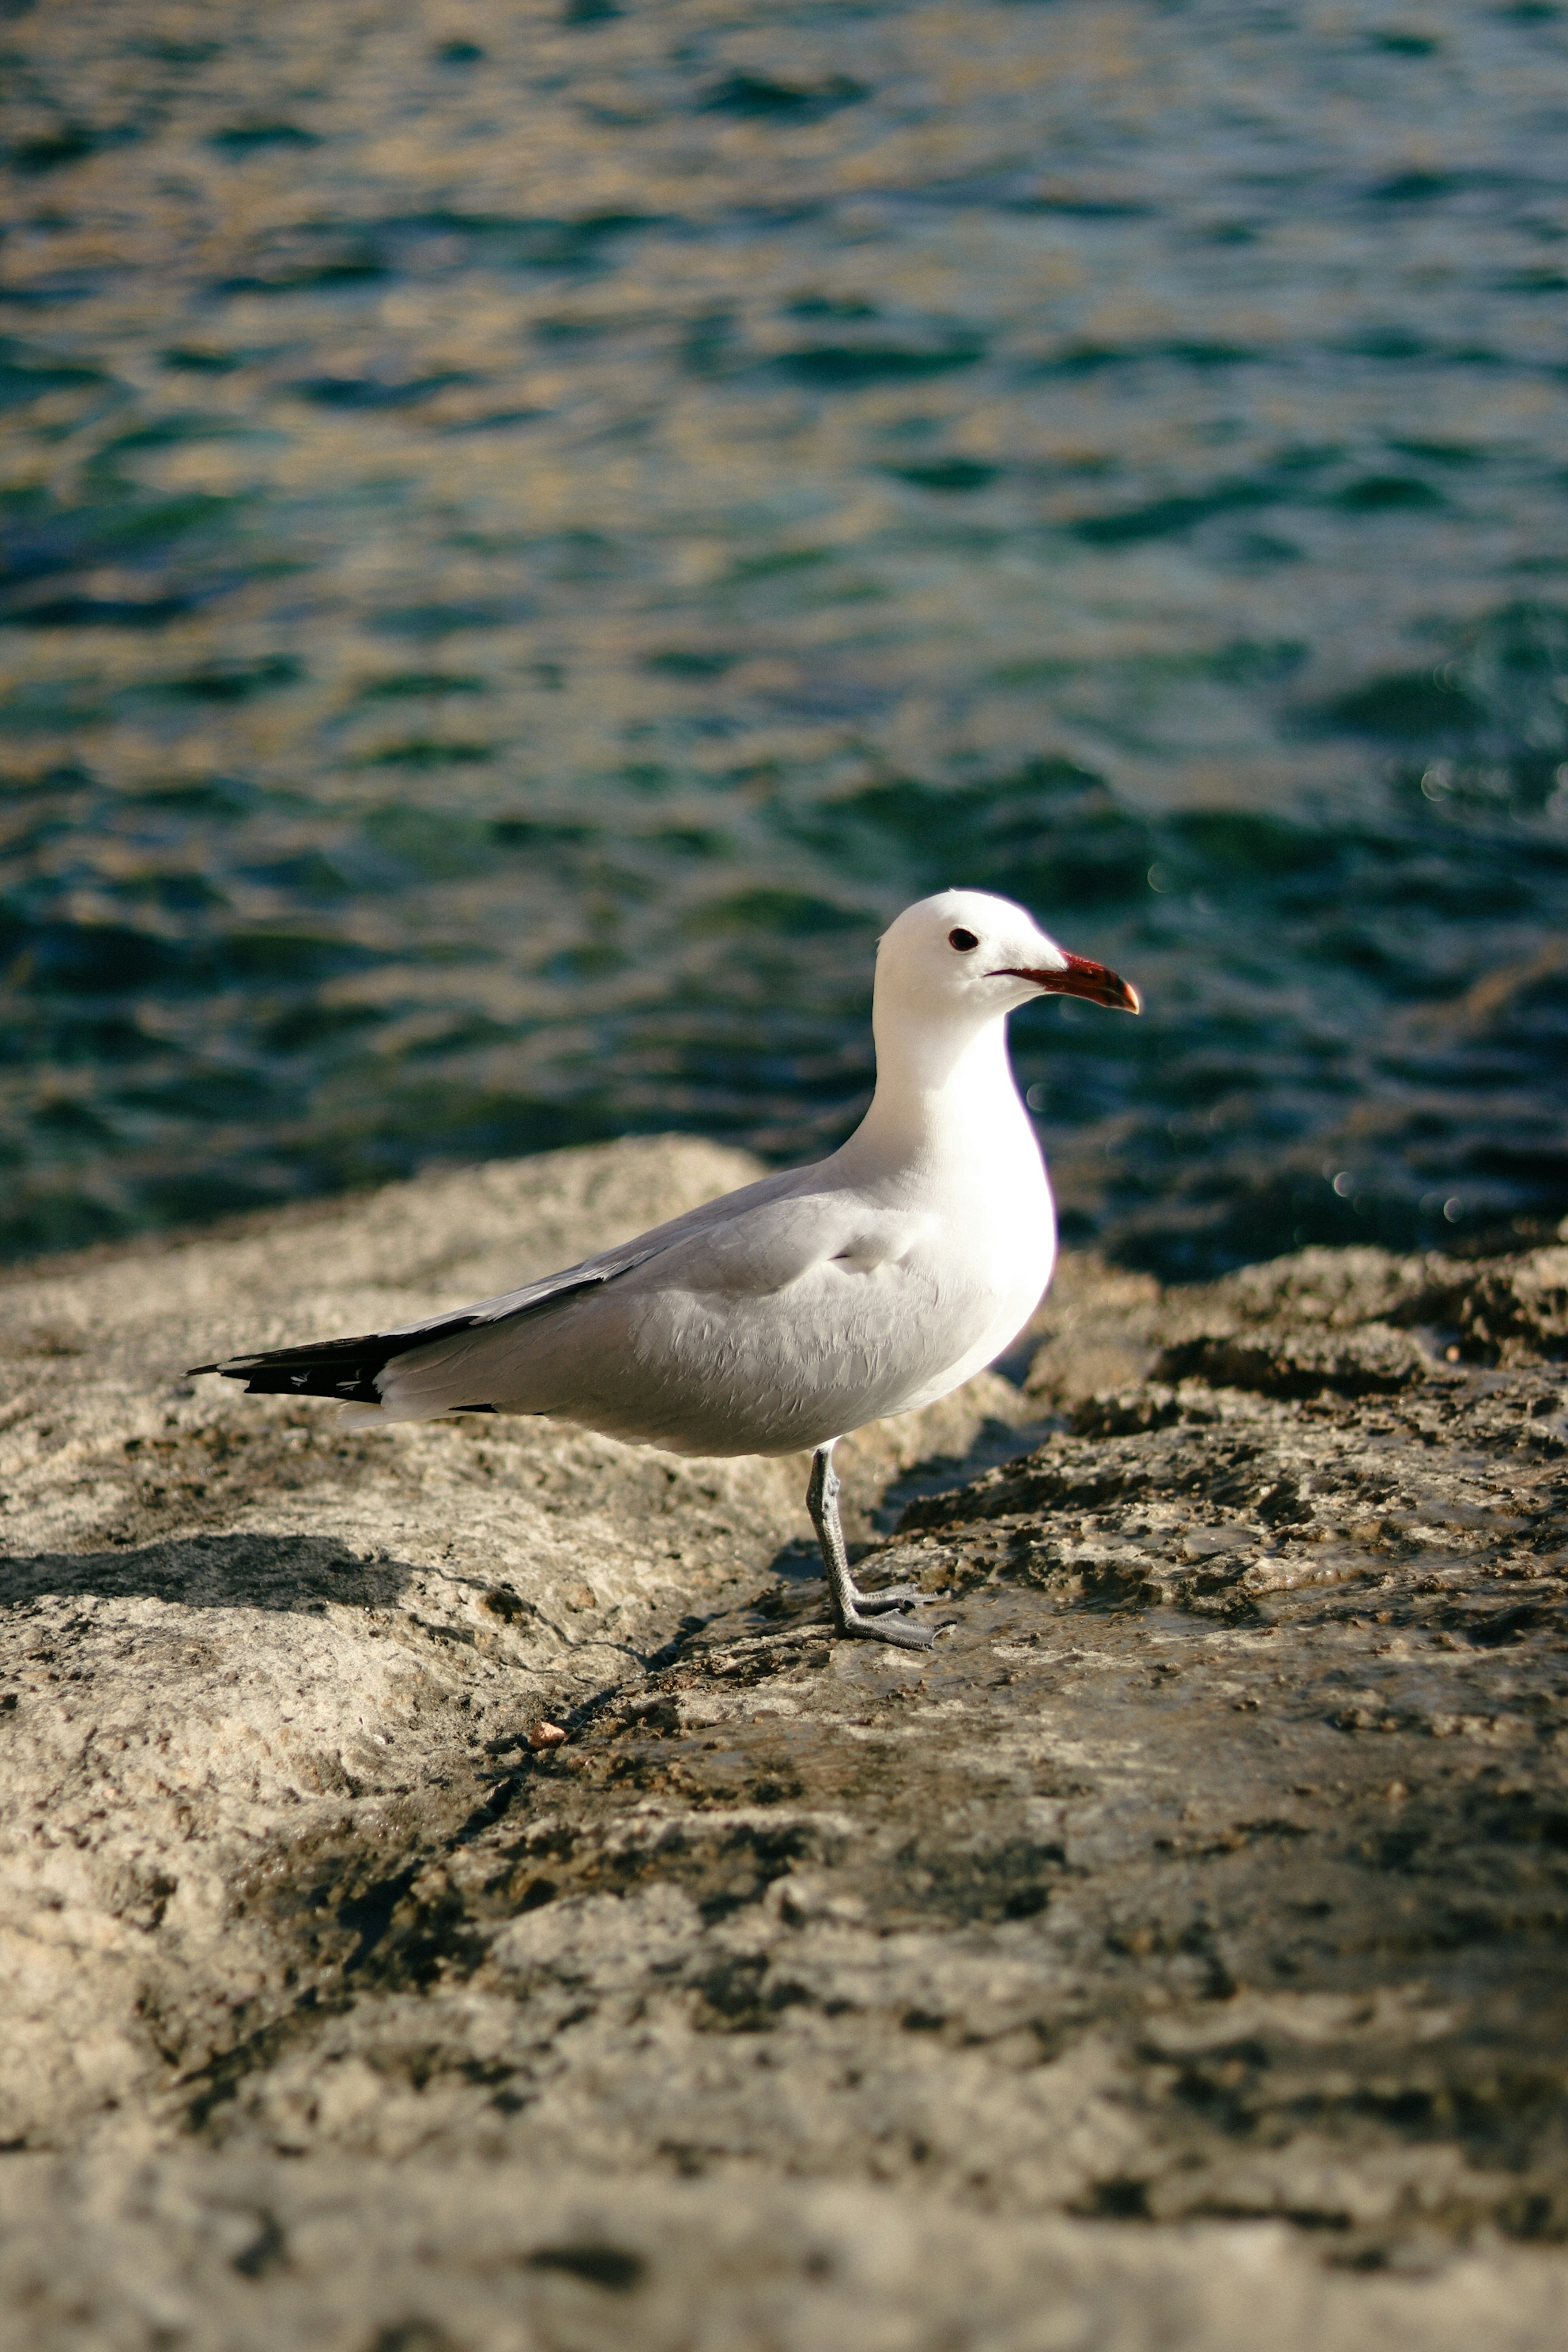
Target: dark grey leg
856, 1612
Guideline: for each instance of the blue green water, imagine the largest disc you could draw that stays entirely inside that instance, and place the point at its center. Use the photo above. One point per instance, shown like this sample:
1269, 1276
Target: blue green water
529, 531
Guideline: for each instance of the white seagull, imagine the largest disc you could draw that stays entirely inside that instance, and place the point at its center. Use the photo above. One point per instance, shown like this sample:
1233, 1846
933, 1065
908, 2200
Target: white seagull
796, 1309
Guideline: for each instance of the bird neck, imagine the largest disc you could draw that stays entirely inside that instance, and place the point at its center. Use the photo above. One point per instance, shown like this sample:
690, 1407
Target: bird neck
942, 1090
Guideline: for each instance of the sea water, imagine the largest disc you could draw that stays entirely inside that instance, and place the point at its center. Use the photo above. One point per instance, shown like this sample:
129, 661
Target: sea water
529, 531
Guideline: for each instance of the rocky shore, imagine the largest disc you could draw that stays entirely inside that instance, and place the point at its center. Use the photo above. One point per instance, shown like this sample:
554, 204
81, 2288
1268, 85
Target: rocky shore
1174, 1957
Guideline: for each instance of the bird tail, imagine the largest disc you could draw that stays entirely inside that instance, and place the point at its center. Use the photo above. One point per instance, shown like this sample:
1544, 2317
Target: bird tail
347, 1371
350, 1371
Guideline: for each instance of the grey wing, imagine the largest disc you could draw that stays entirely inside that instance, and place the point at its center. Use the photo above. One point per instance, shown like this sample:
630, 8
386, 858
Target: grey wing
800, 1317
730, 1209
352, 1369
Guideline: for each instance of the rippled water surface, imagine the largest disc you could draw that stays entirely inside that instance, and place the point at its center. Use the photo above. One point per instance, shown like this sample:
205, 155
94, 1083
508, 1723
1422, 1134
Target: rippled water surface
529, 531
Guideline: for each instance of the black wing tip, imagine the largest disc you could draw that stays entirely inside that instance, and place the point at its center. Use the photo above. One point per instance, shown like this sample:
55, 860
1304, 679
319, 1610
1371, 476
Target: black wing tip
344, 1370
346, 1377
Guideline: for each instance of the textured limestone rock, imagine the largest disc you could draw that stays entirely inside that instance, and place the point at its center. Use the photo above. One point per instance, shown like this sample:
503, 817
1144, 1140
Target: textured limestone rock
1500, 1310
1371, 1359
1356, 1321
1180, 1938
1516, 1312
247, 2256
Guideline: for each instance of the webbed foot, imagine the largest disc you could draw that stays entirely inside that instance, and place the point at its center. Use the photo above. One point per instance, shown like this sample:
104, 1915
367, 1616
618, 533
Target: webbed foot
891, 1596
896, 1631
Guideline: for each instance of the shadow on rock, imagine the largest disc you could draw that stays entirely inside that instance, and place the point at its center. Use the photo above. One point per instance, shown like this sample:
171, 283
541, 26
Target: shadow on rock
241, 1572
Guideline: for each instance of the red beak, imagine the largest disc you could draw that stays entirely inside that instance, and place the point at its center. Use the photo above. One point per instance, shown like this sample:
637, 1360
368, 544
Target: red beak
1096, 981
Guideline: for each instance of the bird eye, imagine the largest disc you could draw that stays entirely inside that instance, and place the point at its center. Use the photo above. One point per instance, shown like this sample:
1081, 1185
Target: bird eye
962, 940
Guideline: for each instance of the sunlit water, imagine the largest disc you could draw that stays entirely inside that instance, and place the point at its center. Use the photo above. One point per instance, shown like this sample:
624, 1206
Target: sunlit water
531, 530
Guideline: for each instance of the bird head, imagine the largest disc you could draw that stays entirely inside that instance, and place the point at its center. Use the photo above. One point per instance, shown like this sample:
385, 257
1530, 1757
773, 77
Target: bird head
966, 955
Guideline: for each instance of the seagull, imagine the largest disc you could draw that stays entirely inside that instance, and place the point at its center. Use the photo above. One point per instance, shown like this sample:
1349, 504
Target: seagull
782, 1316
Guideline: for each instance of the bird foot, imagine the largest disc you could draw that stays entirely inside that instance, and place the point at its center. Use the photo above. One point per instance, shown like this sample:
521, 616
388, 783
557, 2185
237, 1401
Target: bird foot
897, 1631
891, 1596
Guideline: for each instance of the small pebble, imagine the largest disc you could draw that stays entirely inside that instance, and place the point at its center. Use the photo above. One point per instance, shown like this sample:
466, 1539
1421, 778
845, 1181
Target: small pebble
545, 1734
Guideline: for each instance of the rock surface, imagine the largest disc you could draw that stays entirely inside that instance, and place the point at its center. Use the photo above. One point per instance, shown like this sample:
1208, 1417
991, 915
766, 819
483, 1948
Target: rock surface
1182, 1938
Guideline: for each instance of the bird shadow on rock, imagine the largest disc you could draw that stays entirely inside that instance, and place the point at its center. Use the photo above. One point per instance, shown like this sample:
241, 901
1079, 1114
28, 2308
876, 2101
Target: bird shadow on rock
283, 1572
796, 1566
995, 1442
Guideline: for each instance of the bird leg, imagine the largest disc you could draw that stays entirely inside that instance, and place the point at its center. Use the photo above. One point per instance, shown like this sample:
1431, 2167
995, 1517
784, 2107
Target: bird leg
856, 1611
